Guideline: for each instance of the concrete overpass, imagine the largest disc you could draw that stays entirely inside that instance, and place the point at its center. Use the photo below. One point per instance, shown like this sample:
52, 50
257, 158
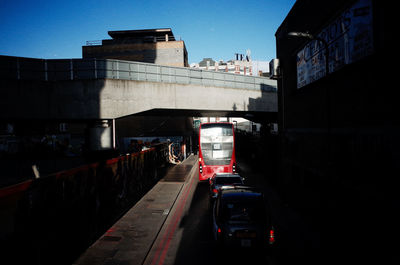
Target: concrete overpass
81, 89
103, 95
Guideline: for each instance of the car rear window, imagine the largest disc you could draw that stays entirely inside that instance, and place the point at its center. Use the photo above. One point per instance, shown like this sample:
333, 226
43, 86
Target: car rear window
244, 211
228, 180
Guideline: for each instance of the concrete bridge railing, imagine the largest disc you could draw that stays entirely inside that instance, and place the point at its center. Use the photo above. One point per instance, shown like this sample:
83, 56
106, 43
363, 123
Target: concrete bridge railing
81, 69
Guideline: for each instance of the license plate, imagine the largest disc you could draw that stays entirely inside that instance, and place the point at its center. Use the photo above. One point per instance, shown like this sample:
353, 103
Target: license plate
245, 243
246, 234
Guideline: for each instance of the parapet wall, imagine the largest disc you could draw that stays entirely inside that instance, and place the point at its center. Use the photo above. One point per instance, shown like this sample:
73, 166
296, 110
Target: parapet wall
61, 214
80, 69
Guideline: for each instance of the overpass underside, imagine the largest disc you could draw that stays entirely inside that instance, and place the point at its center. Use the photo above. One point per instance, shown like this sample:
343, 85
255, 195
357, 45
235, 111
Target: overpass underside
255, 116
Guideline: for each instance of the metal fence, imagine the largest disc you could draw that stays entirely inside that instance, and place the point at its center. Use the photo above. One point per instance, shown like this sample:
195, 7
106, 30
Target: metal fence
78, 69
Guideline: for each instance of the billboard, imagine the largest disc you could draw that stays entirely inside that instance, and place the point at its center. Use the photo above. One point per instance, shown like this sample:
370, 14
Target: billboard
349, 38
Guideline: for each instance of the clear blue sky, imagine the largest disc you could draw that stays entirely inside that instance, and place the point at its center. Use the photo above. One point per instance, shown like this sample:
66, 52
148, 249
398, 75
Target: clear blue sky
217, 29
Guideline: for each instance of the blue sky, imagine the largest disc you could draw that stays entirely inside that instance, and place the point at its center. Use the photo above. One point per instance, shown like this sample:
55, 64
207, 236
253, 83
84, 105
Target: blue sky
217, 29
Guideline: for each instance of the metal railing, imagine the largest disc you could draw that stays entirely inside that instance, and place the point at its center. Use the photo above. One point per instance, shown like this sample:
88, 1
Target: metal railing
79, 69
93, 42
144, 39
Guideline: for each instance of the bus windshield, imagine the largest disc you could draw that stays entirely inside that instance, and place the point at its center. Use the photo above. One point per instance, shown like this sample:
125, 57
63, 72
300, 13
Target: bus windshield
216, 144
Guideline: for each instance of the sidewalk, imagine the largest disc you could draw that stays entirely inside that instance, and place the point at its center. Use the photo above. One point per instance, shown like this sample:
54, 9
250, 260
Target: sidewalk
130, 240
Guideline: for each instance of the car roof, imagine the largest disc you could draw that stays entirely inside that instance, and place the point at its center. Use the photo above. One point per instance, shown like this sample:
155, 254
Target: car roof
226, 175
240, 191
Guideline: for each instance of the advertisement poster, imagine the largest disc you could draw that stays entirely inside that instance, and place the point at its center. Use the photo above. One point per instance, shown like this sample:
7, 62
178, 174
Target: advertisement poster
349, 38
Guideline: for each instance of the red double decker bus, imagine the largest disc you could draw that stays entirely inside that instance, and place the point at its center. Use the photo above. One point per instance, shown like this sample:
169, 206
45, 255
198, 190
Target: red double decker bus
216, 149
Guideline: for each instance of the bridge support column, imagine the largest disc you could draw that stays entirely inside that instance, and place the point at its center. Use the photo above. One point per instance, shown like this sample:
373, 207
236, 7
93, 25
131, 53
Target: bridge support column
102, 135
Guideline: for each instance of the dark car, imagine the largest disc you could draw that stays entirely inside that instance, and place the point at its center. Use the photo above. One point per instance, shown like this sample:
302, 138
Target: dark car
241, 219
219, 180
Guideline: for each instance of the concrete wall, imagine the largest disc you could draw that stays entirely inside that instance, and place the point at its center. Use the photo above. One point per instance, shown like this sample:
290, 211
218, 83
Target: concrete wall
339, 143
171, 53
111, 98
338, 128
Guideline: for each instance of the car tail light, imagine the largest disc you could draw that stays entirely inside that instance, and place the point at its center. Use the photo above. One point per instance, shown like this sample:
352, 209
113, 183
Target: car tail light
219, 230
271, 238
215, 190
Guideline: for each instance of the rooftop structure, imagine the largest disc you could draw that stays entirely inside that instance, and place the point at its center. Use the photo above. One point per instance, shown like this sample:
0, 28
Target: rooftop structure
157, 46
159, 34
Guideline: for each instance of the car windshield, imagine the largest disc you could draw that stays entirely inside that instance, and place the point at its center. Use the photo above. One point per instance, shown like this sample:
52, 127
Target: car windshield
248, 210
227, 180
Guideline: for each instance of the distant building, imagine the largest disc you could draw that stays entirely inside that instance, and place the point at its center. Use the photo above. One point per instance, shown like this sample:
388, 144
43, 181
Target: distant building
260, 68
157, 46
242, 65
207, 62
